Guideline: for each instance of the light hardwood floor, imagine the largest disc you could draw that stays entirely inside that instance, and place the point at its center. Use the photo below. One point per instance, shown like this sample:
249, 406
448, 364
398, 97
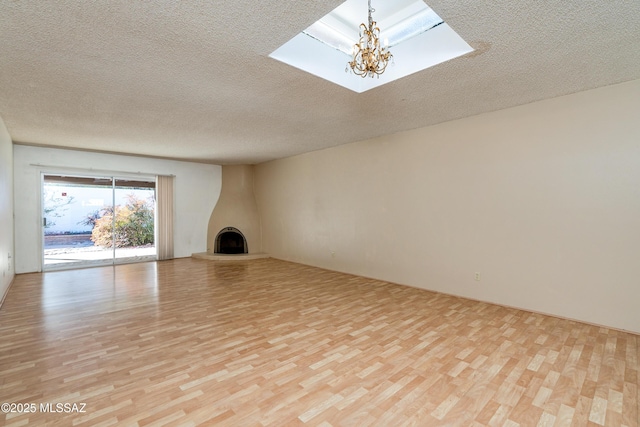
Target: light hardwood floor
272, 343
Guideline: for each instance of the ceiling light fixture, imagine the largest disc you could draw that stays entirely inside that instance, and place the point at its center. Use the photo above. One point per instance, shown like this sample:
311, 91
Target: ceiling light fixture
369, 58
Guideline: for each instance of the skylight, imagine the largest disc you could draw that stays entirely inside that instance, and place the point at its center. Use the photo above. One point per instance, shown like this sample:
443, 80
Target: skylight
417, 37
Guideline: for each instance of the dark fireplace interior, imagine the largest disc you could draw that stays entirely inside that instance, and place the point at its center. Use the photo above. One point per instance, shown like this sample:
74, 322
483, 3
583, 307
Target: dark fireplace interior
231, 241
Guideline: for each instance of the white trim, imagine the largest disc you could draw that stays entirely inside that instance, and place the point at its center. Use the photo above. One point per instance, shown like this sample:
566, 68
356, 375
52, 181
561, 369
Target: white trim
97, 171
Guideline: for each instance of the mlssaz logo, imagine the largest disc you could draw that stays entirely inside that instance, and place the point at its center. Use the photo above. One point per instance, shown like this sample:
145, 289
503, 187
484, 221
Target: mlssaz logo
66, 408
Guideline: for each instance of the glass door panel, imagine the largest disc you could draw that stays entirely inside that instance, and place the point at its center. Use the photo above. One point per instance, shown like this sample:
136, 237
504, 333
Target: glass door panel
72, 219
134, 227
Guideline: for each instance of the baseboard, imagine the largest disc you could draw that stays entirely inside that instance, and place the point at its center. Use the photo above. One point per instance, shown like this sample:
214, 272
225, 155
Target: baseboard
7, 291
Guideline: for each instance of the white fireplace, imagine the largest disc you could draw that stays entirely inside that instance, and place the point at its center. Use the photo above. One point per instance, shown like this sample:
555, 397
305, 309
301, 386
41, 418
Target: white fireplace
234, 225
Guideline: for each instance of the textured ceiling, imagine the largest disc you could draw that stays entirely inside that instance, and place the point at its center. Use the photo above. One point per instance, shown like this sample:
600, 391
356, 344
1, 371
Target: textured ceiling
193, 80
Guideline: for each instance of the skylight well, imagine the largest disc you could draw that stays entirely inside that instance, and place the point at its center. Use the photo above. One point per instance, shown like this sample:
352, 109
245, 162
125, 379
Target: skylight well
419, 37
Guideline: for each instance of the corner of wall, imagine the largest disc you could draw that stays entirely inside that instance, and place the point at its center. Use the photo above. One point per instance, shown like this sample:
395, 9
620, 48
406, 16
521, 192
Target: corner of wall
7, 240
236, 207
253, 188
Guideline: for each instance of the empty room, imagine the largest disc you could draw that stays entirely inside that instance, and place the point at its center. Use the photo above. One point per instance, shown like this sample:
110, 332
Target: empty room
358, 213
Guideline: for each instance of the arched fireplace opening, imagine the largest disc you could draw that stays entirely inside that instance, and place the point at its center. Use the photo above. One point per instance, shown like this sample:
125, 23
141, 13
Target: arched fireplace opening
231, 241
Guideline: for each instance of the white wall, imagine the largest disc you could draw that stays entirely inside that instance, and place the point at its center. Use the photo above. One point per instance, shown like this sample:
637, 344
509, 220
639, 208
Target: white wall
197, 187
6, 210
543, 200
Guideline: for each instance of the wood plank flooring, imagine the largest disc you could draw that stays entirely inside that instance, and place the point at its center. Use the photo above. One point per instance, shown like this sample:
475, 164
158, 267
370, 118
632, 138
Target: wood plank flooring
272, 343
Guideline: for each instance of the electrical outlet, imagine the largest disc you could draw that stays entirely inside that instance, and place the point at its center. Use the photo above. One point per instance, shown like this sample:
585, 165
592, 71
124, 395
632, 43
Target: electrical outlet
477, 276
333, 254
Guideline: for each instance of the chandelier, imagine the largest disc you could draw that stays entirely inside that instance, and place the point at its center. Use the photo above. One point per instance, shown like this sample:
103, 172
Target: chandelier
369, 58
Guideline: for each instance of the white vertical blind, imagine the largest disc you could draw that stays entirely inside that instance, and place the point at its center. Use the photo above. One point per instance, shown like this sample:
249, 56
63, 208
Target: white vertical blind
164, 220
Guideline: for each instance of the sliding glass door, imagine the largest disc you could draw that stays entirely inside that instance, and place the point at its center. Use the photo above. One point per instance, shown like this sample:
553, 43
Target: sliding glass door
96, 220
134, 226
